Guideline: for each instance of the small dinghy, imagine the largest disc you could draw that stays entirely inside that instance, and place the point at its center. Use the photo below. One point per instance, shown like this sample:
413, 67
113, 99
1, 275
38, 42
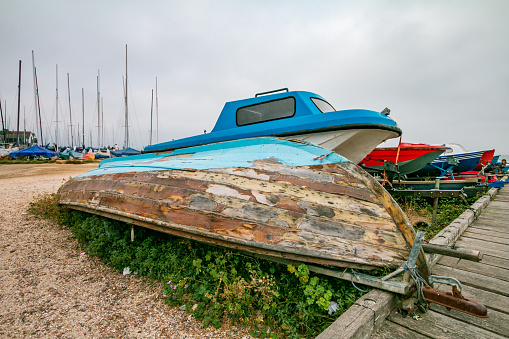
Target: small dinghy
271, 196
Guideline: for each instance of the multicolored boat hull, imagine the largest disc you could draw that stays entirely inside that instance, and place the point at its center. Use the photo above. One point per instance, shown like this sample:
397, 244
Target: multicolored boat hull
269, 196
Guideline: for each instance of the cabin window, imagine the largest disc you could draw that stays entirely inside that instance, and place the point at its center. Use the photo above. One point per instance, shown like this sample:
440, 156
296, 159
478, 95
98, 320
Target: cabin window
323, 105
266, 111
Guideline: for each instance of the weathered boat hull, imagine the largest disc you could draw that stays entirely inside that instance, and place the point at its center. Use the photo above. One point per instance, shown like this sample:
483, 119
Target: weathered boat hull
265, 195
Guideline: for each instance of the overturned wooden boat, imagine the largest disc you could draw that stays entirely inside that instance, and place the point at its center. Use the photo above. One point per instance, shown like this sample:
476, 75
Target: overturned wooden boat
271, 196
287, 201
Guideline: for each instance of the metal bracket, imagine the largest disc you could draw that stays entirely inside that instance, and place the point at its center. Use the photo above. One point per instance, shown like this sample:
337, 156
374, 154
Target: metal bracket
444, 280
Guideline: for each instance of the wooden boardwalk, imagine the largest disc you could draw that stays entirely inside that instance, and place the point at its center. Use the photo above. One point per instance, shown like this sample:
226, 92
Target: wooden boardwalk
486, 282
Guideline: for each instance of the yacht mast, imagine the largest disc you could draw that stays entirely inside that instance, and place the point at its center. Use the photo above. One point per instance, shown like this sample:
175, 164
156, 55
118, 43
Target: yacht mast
35, 92
151, 119
56, 109
83, 111
2, 118
70, 115
157, 116
102, 122
98, 114
19, 101
38, 104
126, 141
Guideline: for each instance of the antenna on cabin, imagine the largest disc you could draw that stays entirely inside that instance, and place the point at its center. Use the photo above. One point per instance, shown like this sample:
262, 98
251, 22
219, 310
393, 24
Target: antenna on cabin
270, 92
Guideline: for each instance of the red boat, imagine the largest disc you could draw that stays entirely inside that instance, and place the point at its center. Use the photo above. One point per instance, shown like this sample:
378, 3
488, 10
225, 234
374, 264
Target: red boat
485, 159
407, 156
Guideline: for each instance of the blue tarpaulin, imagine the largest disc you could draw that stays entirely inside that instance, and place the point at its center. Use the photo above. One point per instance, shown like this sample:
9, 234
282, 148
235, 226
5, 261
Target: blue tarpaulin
32, 151
125, 152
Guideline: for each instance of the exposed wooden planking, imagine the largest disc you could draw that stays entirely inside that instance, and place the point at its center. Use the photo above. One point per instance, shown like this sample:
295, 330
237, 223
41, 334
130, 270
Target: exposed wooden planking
477, 230
477, 280
497, 322
305, 209
484, 237
232, 229
492, 227
341, 202
397, 214
495, 261
277, 200
482, 267
493, 218
392, 330
437, 325
238, 244
247, 211
498, 250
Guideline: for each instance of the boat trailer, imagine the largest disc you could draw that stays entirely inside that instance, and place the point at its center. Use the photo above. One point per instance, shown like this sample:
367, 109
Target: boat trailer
416, 291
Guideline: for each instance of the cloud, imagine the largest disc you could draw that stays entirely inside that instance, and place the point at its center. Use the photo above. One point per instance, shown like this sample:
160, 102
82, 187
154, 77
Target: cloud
440, 66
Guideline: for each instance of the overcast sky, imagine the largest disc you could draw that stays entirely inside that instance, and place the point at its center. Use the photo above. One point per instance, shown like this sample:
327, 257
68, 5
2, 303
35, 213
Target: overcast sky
440, 66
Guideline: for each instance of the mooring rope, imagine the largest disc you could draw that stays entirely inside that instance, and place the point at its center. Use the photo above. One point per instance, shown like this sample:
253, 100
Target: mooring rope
354, 272
419, 281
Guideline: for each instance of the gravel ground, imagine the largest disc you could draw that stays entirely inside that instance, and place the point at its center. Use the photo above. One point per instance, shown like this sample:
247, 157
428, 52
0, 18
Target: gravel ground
49, 289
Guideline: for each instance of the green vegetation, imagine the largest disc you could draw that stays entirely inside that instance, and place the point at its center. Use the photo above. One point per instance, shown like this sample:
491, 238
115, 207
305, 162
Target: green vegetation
420, 210
42, 161
221, 286
25, 161
216, 285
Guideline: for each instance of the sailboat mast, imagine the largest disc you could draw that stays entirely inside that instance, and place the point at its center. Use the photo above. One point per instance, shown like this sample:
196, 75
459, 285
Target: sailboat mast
126, 142
2, 118
19, 101
83, 111
98, 114
157, 116
102, 122
38, 105
151, 119
35, 92
56, 108
70, 115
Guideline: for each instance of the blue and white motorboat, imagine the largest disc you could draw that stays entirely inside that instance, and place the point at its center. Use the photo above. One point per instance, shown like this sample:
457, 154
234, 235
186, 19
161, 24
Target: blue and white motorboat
455, 159
300, 115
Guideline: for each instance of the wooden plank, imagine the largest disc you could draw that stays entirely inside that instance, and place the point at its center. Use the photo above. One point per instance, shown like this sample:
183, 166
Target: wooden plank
498, 250
497, 322
363, 318
494, 219
477, 267
474, 279
391, 330
437, 325
495, 261
494, 216
477, 230
490, 238
491, 228
489, 299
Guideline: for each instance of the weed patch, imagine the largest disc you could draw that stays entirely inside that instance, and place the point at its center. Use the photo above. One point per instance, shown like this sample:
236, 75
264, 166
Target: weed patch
216, 285
419, 210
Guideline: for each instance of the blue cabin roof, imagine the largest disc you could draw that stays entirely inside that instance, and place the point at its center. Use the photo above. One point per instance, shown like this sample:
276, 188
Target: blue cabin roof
280, 114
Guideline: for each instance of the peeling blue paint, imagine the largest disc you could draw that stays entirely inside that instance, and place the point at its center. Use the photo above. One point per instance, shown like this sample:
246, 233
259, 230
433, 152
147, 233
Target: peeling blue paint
230, 154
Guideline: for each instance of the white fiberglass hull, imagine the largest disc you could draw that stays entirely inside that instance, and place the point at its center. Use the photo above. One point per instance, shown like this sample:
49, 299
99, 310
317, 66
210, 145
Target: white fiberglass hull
353, 144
